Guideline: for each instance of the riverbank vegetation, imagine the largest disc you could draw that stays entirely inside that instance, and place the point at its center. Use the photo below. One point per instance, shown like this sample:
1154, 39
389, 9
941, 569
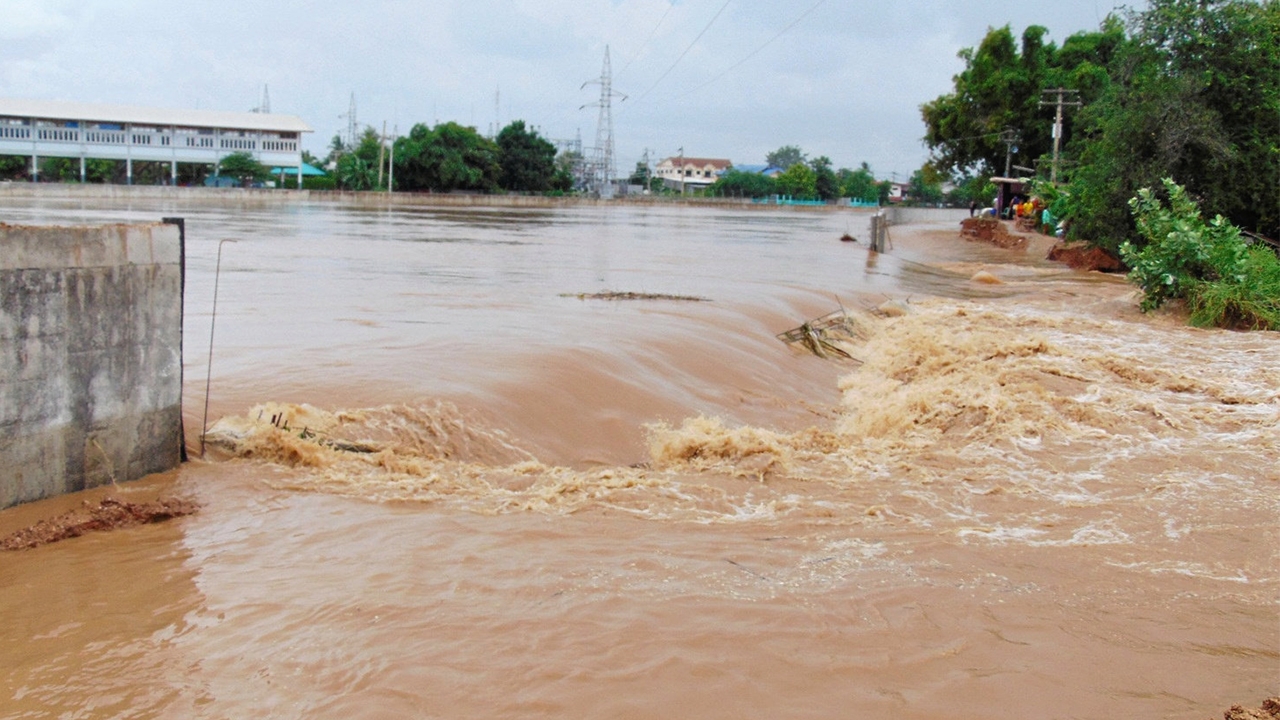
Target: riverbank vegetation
1225, 281
802, 179
1177, 103
1183, 89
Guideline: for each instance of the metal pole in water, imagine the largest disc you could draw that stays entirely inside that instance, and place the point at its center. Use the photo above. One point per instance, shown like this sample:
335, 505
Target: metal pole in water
204, 424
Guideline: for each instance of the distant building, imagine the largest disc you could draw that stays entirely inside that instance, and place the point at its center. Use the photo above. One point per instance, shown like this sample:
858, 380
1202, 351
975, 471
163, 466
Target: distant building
691, 173
54, 128
899, 191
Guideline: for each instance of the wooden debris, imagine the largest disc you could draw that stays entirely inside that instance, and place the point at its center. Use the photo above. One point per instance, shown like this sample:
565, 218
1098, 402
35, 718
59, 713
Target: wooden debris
613, 295
822, 336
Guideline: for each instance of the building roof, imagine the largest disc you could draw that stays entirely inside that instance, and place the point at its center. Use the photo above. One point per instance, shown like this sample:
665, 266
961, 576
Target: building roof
99, 112
700, 162
769, 170
307, 170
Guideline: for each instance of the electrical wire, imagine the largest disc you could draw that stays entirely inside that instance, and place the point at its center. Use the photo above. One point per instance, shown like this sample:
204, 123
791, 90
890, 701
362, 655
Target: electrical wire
686, 51
753, 53
652, 32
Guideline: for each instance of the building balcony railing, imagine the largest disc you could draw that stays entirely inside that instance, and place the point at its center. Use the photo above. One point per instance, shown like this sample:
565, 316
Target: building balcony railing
233, 141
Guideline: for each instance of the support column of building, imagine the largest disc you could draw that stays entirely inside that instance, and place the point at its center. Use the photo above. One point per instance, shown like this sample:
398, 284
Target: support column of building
173, 173
128, 171
35, 167
82, 173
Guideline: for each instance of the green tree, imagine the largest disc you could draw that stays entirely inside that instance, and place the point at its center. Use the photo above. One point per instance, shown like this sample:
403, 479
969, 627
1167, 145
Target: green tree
736, 183
999, 89
527, 159
568, 164
925, 187
785, 156
826, 185
799, 181
60, 170
858, 184
243, 167
337, 148
973, 188
356, 173
14, 167
188, 173
641, 175
1192, 96
445, 158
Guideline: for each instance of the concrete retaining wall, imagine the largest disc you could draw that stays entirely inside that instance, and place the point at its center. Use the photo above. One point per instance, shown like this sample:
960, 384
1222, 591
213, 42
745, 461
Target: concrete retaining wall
911, 215
263, 196
90, 356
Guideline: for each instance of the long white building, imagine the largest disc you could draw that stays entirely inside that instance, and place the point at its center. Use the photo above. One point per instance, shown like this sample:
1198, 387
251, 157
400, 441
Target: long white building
55, 128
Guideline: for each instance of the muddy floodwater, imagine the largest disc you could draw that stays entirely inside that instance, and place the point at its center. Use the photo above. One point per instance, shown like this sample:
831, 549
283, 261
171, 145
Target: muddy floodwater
442, 480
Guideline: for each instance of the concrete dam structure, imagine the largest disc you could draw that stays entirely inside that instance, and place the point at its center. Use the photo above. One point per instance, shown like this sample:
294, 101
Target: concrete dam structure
90, 356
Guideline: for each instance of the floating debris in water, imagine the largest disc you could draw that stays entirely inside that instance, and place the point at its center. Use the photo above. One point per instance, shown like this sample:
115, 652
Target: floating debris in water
828, 336
613, 295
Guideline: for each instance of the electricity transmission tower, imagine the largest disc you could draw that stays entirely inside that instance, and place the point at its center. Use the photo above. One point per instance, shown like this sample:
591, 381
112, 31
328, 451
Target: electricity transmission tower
351, 122
603, 168
264, 106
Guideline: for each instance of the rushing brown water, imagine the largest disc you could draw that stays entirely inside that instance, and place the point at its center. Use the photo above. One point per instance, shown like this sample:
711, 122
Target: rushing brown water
495, 499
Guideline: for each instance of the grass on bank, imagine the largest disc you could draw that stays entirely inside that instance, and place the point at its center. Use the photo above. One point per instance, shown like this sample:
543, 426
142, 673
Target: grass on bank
1224, 281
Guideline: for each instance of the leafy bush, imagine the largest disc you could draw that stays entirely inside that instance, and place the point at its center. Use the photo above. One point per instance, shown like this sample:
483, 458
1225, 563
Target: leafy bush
1225, 282
1253, 304
319, 182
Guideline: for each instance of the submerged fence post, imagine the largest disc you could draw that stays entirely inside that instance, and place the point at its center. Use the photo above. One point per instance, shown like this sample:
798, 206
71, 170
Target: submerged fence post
217, 272
880, 232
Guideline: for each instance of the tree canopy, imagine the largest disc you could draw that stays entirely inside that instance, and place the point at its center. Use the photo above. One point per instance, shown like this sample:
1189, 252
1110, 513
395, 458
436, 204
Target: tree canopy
1184, 89
785, 156
445, 158
799, 182
1193, 96
243, 167
742, 184
528, 161
859, 184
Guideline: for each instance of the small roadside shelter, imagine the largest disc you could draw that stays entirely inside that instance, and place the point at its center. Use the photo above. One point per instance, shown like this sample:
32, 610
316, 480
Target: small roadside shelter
1007, 189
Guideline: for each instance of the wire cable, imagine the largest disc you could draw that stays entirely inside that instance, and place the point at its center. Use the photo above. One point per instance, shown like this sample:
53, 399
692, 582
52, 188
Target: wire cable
652, 32
753, 53
686, 51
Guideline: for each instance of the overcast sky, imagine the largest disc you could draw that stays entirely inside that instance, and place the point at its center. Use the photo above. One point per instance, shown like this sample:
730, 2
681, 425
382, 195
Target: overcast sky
714, 77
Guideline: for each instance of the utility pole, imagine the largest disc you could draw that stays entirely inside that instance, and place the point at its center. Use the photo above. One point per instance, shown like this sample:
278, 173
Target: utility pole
682, 170
391, 165
1060, 102
1010, 139
382, 151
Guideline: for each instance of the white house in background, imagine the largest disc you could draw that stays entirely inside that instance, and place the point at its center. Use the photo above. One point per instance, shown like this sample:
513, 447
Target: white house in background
898, 191
691, 173
56, 128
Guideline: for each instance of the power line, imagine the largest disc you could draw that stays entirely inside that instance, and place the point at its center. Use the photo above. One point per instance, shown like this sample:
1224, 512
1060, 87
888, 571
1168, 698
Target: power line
753, 53
645, 44
686, 51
